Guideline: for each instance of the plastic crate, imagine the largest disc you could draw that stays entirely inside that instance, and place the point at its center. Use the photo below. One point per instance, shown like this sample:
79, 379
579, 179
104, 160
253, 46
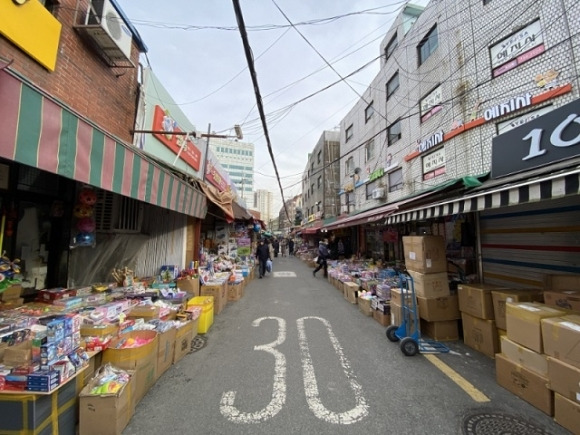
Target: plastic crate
206, 317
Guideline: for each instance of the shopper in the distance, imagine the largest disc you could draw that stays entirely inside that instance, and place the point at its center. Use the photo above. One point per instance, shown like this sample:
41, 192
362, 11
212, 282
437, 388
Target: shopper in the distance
322, 258
262, 255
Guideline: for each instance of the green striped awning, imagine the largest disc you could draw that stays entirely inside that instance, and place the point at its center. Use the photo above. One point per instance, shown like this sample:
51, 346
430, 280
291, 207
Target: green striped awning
37, 131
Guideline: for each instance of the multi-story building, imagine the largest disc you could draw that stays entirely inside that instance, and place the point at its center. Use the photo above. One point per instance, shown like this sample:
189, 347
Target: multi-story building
320, 180
237, 158
287, 214
264, 203
456, 80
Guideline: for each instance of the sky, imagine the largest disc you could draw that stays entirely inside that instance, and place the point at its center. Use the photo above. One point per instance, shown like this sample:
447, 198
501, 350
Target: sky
196, 51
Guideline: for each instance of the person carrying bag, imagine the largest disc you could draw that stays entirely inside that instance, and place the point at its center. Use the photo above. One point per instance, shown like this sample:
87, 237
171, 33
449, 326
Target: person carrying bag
322, 257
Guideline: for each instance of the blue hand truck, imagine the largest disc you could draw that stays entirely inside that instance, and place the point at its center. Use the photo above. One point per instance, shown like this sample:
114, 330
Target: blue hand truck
408, 332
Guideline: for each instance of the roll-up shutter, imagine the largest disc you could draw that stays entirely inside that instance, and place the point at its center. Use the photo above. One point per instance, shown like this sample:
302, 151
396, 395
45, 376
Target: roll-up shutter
522, 244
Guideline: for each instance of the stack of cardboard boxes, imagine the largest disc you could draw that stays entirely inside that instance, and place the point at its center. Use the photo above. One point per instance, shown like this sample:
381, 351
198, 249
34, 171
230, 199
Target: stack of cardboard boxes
426, 262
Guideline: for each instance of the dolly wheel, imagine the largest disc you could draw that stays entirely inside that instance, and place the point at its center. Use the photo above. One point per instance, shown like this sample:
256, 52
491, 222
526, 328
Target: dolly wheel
391, 333
409, 346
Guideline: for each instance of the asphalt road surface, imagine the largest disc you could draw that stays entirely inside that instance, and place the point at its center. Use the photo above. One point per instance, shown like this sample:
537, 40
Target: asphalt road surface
293, 356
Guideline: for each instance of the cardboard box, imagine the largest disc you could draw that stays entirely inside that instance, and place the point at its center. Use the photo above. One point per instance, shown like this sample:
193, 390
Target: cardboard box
561, 338
183, 339
142, 360
147, 312
398, 294
567, 413
568, 299
511, 295
425, 254
446, 330
476, 300
480, 334
562, 282
430, 285
564, 379
382, 318
19, 354
439, 309
234, 292
523, 356
351, 292
99, 330
523, 323
398, 317
10, 293
106, 414
215, 290
189, 285
165, 350
364, 305
525, 384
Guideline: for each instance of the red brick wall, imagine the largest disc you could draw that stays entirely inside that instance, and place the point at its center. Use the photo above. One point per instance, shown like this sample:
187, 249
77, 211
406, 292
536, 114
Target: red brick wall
105, 95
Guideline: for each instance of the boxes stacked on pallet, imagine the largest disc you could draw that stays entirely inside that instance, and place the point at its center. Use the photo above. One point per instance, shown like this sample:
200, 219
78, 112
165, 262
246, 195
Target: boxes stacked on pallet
426, 262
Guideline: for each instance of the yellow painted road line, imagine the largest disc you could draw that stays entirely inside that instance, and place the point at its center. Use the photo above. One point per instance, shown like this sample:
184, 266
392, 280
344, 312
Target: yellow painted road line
463, 383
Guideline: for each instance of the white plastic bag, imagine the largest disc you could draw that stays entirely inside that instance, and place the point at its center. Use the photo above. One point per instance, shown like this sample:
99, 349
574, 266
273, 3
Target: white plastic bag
268, 265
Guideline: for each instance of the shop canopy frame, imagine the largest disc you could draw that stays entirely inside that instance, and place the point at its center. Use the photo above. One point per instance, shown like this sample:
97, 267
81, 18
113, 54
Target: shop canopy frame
512, 191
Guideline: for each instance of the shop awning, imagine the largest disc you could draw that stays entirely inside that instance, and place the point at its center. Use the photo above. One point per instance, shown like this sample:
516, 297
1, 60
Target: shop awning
240, 212
541, 187
224, 200
313, 229
37, 131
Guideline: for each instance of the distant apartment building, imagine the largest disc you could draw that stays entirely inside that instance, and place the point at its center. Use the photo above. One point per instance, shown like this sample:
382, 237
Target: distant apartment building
264, 203
321, 177
287, 213
237, 158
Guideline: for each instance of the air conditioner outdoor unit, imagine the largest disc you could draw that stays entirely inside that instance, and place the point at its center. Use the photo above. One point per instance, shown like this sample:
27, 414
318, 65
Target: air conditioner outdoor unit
379, 193
108, 30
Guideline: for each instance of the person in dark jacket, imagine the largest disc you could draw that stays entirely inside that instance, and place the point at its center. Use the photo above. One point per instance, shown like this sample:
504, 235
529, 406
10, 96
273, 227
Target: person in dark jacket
323, 254
290, 247
276, 246
262, 255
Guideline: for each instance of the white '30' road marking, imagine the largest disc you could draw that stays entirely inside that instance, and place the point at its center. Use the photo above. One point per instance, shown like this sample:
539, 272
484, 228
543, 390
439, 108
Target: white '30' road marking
361, 409
227, 407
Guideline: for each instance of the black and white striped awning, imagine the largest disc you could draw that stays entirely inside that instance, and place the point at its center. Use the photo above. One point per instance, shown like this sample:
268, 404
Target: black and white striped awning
550, 186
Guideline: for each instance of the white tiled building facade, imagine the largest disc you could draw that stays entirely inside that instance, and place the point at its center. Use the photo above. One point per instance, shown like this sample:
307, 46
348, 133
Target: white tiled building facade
442, 67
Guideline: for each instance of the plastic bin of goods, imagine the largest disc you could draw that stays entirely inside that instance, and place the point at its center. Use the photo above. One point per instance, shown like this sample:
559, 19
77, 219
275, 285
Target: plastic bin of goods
206, 317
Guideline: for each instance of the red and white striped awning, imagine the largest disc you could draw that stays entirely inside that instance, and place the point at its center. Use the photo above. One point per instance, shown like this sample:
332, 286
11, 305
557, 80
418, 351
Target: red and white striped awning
37, 131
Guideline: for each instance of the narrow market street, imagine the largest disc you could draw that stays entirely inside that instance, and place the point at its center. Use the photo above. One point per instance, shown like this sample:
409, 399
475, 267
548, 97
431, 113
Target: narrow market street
293, 356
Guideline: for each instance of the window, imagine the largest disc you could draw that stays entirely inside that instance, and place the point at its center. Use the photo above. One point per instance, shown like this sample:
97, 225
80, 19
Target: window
396, 180
312, 188
390, 48
369, 112
349, 166
370, 187
428, 45
319, 181
394, 132
348, 133
319, 156
370, 150
392, 85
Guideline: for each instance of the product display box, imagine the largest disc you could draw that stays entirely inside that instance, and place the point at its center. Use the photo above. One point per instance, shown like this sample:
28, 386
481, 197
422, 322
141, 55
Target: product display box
235, 291
142, 360
430, 285
564, 379
11, 293
500, 297
219, 293
561, 338
364, 306
445, 330
476, 300
439, 309
99, 330
425, 254
183, 339
525, 384
523, 323
106, 414
562, 282
567, 413
480, 334
534, 361
189, 285
351, 292
144, 312
165, 350
567, 299
397, 295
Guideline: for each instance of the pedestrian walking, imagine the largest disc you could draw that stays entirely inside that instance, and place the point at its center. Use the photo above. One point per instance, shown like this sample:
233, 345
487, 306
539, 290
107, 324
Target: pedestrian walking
262, 255
322, 257
276, 246
291, 247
